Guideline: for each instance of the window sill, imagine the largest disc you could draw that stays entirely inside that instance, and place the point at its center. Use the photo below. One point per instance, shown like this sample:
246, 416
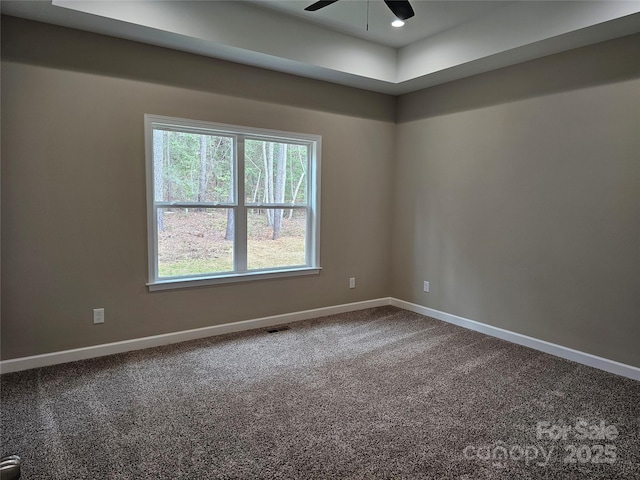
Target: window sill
174, 283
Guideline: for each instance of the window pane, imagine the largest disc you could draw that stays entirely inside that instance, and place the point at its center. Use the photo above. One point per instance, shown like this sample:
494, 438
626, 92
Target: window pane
275, 172
193, 241
287, 226
189, 167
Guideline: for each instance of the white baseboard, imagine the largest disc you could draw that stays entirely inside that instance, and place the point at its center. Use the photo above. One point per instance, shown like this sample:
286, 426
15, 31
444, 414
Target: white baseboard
558, 350
65, 356
54, 358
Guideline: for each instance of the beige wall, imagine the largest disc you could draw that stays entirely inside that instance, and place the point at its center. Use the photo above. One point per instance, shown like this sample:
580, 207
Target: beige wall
73, 186
517, 195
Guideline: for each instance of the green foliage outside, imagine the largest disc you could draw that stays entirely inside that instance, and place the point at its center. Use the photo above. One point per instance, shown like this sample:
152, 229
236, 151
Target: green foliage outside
199, 168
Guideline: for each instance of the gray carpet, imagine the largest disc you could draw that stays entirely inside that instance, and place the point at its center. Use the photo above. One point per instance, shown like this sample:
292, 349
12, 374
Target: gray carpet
376, 394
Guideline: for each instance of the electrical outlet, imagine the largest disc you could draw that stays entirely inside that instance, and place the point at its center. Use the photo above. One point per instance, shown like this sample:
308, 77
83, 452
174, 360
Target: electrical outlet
426, 286
98, 315
352, 282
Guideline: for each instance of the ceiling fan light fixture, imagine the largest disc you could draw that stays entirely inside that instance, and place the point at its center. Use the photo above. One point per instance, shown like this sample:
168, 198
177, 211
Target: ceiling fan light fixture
401, 9
397, 23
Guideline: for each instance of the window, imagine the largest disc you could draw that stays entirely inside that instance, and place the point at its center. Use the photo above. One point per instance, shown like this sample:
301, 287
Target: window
229, 203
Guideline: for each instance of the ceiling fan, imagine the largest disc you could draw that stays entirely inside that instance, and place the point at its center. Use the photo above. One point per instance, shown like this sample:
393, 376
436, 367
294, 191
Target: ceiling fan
400, 8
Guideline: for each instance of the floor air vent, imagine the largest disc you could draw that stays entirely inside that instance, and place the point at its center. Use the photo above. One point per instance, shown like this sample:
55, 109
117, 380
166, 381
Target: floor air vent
278, 329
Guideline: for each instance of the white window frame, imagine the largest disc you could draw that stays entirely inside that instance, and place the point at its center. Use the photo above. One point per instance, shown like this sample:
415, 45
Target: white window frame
239, 206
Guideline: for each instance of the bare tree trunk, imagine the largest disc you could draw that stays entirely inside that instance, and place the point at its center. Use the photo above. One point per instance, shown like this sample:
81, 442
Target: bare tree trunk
158, 173
294, 195
281, 180
229, 234
254, 196
255, 191
267, 155
293, 198
202, 181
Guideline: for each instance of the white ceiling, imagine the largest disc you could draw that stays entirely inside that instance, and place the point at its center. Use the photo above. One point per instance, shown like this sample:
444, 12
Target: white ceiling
446, 40
350, 17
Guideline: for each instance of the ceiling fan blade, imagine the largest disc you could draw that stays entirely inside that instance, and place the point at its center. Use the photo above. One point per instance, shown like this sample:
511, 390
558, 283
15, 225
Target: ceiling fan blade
318, 5
400, 8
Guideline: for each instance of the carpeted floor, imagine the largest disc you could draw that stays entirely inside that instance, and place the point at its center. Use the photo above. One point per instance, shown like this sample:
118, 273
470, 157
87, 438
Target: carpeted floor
376, 394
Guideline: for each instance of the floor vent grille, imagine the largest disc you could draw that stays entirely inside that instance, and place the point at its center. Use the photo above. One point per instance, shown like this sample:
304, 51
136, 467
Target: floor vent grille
279, 329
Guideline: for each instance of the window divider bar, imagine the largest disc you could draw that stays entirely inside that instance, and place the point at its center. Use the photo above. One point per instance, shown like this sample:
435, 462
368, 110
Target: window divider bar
240, 213
276, 205
193, 205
